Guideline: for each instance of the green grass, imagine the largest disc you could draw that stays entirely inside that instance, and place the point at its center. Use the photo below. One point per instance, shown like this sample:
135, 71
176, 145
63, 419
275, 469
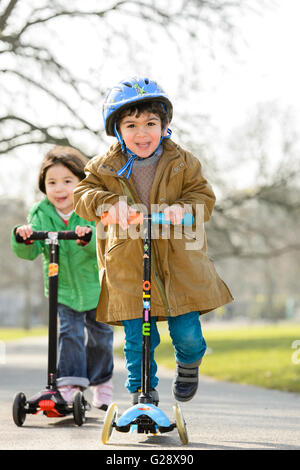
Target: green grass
250, 355
11, 334
258, 356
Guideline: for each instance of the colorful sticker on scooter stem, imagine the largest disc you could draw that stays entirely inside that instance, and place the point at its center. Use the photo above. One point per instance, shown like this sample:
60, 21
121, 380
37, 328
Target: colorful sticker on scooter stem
52, 269
146, 304
146, 329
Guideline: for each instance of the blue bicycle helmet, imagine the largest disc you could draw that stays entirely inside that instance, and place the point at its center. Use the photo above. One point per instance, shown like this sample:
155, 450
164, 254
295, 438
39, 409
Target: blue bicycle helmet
128, 92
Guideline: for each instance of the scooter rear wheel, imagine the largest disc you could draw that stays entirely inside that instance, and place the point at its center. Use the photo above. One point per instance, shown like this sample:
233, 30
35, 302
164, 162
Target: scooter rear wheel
19, 413
110, 418
79, 408
180, 424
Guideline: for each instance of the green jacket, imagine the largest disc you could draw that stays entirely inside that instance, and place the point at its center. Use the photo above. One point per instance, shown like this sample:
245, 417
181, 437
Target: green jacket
78, 280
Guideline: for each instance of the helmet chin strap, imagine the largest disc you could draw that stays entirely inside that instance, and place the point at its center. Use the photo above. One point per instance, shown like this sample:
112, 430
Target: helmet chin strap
119, 137
129, 164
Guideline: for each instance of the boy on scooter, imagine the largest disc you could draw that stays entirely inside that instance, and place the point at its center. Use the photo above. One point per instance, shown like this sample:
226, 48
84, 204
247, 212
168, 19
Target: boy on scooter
147, 168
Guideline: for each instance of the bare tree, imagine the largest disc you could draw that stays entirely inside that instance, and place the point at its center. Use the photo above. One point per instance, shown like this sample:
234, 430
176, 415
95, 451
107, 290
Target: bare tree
57, 59
45, 98
260, 220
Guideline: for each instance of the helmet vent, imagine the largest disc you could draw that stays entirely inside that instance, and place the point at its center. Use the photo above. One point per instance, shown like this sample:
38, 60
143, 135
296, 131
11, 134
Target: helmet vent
147, 81
128, 84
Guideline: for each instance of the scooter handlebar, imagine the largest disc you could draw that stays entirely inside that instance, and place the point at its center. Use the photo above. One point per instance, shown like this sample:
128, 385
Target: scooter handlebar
138, 218
61, 235
159, 218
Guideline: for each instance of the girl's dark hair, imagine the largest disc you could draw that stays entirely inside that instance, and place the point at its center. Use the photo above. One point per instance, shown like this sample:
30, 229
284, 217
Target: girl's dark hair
154, 107
67, 156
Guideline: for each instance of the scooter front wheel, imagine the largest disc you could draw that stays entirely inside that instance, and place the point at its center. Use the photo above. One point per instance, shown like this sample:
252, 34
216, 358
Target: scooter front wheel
180, 424
109, 420
19, 413
79, 408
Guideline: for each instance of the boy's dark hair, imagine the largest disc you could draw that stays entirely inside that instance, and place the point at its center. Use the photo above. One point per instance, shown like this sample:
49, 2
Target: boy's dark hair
154, 107
67, 156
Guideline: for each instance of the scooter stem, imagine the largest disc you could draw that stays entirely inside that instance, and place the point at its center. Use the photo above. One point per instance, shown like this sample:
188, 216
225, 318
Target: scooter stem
53, 243
145, 396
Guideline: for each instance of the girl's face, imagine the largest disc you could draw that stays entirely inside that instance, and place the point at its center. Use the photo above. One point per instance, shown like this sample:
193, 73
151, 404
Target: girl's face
60, 183
141, 134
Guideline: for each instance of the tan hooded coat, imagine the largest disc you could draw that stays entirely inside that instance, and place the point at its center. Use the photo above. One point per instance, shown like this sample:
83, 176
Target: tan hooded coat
183, 278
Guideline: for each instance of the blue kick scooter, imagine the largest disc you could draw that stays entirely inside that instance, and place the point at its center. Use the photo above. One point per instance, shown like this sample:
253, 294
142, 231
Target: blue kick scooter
145, 417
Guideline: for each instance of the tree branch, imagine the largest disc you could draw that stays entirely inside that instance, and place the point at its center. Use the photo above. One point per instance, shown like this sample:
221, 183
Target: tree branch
4, 17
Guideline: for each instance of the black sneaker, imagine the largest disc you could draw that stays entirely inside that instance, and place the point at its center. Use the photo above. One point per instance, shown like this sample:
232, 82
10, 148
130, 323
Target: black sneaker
185, 384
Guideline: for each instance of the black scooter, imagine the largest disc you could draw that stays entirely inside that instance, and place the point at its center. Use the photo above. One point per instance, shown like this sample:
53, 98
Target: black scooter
49, 400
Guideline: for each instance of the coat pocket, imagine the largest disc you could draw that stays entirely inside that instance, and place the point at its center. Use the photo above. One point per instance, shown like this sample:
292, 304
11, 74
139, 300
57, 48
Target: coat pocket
113, 247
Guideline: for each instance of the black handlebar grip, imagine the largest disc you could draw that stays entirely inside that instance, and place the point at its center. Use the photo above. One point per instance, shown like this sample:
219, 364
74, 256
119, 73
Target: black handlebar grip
68, 235
34, 236
61, 235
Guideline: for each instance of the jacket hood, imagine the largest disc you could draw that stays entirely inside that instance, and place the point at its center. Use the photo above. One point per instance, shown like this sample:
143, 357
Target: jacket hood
114, 159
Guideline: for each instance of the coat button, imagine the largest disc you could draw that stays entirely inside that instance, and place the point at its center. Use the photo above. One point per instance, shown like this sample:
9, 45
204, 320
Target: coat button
175, 169
181, 164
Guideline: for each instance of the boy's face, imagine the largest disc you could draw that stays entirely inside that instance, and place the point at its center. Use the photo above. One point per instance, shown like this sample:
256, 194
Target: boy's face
141, 134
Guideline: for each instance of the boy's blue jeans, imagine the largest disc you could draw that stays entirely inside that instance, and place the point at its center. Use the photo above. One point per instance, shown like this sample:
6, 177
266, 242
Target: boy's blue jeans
186, 334
85, 349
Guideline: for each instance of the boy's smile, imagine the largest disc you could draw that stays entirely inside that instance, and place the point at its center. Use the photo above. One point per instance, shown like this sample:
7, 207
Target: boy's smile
141, 134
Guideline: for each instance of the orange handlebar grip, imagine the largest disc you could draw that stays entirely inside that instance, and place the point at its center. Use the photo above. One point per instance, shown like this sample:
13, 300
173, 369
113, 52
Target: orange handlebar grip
108, 219
137, 218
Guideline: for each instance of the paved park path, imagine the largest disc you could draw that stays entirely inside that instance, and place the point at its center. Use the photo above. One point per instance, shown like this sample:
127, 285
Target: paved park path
223, 416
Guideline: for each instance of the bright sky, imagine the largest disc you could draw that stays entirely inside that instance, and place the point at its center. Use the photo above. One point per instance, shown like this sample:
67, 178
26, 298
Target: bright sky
266, 68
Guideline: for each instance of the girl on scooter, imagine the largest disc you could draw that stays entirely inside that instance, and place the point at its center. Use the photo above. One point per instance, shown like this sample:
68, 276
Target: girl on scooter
81, 363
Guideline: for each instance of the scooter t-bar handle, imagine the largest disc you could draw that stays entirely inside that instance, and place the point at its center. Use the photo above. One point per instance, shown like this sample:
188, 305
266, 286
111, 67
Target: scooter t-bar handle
61, 235
138, 218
